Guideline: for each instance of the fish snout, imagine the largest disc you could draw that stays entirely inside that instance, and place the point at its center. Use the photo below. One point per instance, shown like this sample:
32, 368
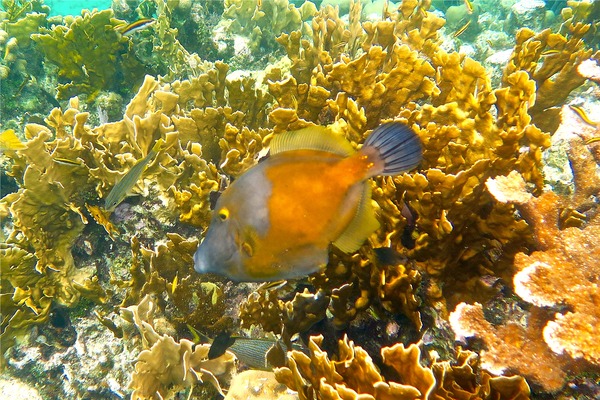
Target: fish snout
201, 262
217, 253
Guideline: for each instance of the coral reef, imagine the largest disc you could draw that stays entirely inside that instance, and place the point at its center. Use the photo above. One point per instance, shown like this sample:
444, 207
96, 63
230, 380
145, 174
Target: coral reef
260, 22
90, 53
474, 216
166, 366
562, 271
50, 210
253, 384
159, 48
464, 143
23, 88
38, 267
353, 375
288, 318
556, 77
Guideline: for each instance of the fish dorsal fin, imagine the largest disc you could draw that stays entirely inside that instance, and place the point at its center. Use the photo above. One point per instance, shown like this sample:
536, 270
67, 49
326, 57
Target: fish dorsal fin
317, 138
362, 225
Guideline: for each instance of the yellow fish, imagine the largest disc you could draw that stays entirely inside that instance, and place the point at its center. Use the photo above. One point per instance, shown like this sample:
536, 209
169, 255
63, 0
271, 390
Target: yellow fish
469, 6
129, 29
277, 220
462, 29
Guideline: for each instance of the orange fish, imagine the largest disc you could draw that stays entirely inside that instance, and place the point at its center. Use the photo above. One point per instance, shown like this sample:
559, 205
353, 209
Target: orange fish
278, 219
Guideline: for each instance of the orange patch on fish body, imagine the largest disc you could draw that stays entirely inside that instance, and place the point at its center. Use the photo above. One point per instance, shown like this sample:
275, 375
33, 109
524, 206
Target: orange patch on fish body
311, 202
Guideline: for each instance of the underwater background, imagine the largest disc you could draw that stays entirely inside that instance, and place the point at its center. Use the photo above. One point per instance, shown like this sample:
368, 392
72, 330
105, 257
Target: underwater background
482, 282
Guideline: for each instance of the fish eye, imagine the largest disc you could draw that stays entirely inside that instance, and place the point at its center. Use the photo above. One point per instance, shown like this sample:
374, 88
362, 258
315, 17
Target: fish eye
223, 214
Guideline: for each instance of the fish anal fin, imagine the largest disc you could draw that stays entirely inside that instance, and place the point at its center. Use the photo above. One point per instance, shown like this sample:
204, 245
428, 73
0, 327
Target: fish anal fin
362, 225
317, 138
297, 263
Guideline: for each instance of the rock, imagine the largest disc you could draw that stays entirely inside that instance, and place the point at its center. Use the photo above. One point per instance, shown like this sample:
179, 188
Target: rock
530, 13
254, 384
14, 389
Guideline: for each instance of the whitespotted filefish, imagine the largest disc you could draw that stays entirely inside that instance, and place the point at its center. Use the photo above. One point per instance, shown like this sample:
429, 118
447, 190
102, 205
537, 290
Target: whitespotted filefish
278, 219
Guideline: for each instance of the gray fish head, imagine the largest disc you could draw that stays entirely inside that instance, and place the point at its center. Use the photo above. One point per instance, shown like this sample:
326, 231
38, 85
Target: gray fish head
219, 252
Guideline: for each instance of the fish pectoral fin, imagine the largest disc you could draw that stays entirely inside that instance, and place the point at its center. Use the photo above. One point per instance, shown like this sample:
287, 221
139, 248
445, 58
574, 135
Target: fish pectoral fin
316, 138
362, 225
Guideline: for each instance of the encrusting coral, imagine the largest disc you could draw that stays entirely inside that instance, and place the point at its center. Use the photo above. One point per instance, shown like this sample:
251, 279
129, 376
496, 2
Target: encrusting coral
562, 271
511, 347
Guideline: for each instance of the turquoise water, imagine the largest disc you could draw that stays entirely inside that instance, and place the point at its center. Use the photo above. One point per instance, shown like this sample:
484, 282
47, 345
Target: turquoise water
74, 7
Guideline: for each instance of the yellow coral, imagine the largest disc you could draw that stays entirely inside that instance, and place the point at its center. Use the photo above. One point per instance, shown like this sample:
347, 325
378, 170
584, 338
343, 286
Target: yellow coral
89, 55
167, 366
354, 375
50, 210
555, 74
464, 144
264, 20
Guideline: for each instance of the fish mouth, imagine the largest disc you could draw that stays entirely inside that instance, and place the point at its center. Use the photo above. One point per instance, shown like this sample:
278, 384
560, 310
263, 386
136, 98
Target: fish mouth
204, 263
201, 260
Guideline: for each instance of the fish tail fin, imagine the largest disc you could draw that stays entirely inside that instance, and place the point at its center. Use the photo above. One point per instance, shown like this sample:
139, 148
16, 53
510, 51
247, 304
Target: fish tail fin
393, 148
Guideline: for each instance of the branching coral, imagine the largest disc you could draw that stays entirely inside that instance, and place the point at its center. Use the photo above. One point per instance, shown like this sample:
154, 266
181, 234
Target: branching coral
46, 223
353, 375
554, 73
288, 318
159, 47
462, 232
263, 21
15, 38
586, 13
67, 166
351, 76
167, 273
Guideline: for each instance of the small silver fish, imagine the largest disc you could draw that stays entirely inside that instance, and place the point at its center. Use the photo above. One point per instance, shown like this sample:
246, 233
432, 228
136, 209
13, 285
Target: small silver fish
120, 191
255, 353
